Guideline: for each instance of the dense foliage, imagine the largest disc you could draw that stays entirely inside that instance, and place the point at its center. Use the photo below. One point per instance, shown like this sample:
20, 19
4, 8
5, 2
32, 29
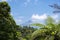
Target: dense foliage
25, 32
49, 31
7, 23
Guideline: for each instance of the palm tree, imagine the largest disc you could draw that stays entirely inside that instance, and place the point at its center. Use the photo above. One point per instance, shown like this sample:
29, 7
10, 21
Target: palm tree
56, 7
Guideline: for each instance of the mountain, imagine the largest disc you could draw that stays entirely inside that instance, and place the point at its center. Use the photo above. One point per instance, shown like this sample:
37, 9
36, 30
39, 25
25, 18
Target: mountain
27, 23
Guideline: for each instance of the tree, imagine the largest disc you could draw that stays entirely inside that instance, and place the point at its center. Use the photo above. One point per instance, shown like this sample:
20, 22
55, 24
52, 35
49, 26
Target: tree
49, 31
8, 26
56, 7
26, 32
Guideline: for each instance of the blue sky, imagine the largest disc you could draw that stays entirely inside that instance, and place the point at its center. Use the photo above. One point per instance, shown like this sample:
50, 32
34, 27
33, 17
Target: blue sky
35, 10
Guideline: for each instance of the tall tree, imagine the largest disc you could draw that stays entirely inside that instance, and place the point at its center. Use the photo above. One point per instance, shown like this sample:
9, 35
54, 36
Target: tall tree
7, 23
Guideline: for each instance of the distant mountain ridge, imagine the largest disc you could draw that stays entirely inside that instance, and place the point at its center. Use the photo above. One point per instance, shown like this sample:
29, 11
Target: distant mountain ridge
27, 23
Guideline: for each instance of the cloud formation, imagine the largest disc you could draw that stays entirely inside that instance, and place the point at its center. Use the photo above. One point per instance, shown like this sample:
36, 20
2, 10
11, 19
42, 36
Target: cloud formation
7, 0
19, 20
36, 18
39, 17
54, 16
3, 0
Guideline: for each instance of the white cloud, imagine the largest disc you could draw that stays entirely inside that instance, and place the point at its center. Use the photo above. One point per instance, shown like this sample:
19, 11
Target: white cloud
3, 0
18, 20
54, 16
43, 16
7, 0
39, 17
